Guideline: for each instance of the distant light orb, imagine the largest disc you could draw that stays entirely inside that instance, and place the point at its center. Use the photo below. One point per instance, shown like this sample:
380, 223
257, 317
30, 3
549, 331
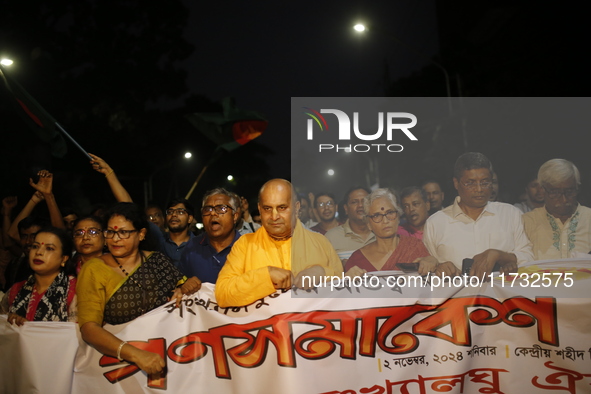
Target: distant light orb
331, 172
359, 27
199, 225
6, 62
230, 178
188, 155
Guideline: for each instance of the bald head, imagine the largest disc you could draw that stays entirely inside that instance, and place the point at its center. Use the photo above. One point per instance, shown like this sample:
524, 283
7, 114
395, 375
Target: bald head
276, 184
278, 206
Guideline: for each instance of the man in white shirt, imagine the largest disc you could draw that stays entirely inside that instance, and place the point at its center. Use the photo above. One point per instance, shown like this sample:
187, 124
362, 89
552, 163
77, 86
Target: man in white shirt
473, 227
562, 227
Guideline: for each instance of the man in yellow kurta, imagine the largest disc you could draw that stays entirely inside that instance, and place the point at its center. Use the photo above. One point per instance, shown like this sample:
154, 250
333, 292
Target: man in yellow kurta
277, 255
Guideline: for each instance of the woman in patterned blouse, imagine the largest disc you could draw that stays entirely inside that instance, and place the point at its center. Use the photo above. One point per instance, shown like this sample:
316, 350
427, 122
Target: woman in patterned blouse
124, 284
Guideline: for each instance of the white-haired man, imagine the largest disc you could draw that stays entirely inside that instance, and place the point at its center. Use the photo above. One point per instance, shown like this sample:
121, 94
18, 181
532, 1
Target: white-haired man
562, 227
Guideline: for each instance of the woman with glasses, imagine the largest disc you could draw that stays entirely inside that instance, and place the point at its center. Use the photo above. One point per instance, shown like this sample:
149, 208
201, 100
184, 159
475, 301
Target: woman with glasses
124, 284
389, 248
49, 294
88, 240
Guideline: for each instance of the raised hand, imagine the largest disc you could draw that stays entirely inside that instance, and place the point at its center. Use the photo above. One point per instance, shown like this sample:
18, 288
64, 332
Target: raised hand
100, 165
8, 203
45, 182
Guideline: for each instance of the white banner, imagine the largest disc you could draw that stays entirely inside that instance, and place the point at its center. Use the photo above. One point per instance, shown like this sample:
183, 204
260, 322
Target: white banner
506, 336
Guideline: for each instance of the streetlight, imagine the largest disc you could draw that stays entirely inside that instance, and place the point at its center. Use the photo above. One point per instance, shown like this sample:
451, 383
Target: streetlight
331, 172
6, 62
230, 178
360, 28
188, 155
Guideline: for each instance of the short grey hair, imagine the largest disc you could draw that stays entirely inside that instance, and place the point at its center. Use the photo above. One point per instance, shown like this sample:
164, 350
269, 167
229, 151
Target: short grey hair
234, 199
557, 171
379, 193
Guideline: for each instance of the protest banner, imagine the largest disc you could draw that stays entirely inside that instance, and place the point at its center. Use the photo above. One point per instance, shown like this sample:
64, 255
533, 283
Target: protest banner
490, 338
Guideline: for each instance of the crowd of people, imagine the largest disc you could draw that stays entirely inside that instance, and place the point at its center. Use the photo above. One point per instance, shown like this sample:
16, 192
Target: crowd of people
117, 263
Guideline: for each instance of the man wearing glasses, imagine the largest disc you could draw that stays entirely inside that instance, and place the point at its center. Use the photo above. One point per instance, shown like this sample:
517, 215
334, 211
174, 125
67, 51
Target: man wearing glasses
326, 207
490, 233
205, 255
179, 217
562, 227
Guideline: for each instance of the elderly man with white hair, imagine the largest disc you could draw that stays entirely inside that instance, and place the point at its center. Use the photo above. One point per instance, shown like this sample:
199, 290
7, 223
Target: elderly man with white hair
562, 227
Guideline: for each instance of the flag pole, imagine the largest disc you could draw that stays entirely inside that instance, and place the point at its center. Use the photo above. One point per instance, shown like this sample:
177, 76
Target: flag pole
60, 128
215, 156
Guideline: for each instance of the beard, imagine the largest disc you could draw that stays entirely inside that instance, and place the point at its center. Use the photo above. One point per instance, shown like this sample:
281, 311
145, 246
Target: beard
179, 228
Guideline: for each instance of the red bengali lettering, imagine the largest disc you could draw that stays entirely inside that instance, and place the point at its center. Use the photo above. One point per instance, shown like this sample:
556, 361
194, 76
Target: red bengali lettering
154, 345
516, 312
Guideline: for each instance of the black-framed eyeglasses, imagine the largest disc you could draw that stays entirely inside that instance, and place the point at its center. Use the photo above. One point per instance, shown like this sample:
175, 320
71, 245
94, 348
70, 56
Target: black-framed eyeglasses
556, 193
177, 211
474, 185
92, 232
123, 234
378, 217
219, 209
326, 204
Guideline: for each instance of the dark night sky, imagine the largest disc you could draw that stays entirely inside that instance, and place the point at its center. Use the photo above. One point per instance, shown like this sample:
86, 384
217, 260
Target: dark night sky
264, 54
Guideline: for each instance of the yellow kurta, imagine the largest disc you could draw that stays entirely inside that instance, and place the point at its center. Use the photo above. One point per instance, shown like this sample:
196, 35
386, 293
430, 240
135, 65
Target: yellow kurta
245, 277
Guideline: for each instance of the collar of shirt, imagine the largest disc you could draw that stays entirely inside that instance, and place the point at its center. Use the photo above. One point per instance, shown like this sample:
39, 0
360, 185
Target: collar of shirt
571, 216
205, 240
351, 234
459, 215
168, 240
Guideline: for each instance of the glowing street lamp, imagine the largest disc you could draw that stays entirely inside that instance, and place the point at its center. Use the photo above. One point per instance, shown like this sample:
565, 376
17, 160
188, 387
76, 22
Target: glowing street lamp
6, 62
331, 172
359, 27
188, 155
230, 178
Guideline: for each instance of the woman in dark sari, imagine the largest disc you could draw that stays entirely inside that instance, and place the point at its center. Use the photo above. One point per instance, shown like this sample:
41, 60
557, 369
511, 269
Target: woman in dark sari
124, 284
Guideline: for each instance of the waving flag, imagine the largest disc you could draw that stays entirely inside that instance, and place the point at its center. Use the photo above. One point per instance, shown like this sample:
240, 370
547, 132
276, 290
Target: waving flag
231, 128
39, 120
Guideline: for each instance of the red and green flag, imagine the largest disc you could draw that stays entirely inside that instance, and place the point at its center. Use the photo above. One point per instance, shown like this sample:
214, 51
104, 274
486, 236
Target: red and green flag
38, 120
231, 128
